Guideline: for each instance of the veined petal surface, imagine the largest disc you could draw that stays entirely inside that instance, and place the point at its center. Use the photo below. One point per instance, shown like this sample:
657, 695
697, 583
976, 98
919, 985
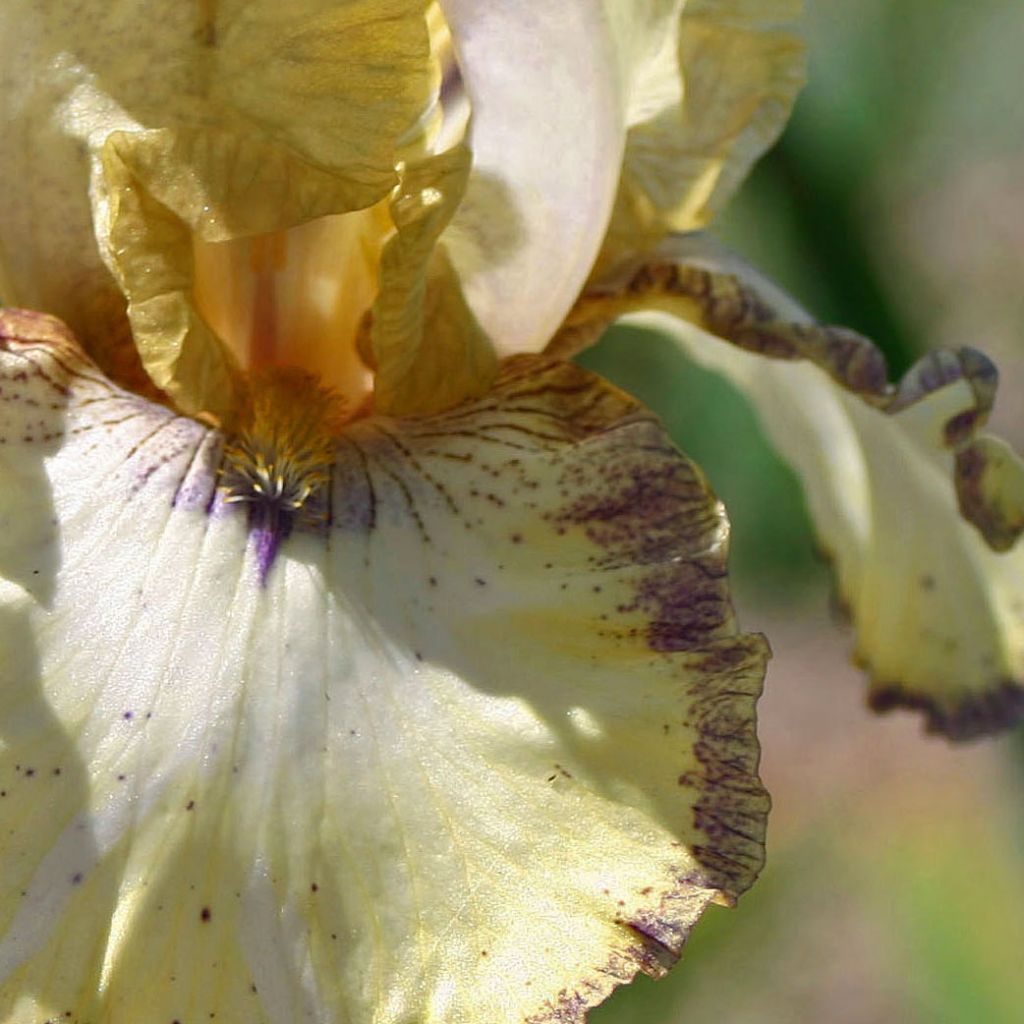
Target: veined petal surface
479, 747
429, 351
132, 127
912, 504
709, 86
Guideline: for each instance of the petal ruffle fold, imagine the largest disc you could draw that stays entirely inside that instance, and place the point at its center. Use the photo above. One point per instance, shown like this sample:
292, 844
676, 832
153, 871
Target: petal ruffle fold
130, 127
428, 349
480, 747
710, 84
887, 471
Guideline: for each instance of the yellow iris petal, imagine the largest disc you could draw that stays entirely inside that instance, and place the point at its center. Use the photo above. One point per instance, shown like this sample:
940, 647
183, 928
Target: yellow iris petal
710, 87
429, 351
135, 129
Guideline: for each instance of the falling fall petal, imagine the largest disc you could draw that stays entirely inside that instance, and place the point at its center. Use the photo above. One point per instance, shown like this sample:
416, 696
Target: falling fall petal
990, 486
917, 509
479, 746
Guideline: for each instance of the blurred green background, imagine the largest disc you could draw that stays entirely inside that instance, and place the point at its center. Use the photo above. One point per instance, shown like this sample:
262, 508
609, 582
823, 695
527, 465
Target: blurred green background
894, 204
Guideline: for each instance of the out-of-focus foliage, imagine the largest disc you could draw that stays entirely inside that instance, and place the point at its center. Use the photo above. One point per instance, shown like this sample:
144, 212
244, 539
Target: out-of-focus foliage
893, 205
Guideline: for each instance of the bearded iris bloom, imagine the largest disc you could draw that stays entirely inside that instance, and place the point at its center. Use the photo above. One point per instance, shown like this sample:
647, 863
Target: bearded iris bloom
364, 659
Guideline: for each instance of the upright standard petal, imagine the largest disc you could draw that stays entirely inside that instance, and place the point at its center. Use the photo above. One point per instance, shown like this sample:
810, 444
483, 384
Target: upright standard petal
887, 470
132, 130
709, 85
679, 97
478, 746
547, 136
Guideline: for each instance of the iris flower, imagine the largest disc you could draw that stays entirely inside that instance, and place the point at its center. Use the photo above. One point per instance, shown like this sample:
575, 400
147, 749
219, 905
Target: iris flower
364, 660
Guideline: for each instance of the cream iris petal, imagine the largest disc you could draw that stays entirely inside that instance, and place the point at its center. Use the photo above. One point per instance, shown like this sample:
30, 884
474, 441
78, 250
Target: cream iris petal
599, 126
990, 486
479, 747
547, 141
886, 470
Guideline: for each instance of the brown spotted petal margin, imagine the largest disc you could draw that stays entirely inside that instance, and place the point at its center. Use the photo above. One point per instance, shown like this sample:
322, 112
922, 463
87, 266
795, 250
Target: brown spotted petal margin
913, 505
479, 747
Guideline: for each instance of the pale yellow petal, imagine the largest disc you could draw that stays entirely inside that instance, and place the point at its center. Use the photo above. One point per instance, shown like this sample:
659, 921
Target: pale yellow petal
710, 84
169, 189
479, 747
130, 128
990, 485
429, 351
886, 470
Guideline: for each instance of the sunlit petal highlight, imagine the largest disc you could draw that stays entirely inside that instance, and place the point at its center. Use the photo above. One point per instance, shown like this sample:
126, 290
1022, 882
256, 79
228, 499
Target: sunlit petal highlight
478, 746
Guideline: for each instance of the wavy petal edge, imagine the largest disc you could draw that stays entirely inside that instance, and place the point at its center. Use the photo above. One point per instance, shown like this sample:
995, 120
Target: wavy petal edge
936, 411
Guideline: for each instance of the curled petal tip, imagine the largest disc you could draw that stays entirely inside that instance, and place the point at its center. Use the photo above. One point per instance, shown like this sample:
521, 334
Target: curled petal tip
919, 511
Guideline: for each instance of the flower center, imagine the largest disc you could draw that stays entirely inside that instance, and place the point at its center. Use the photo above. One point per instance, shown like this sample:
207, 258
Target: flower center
278, 463
288, 305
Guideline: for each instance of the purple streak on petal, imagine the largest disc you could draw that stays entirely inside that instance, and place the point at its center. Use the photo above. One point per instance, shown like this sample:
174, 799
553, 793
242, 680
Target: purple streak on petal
269, 527
267, 541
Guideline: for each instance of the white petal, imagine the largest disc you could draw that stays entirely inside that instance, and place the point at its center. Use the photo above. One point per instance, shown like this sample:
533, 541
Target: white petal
655, 111
547, 137
478, 749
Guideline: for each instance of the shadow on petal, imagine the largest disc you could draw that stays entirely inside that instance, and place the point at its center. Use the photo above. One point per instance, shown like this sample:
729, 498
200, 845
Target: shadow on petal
47, 832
